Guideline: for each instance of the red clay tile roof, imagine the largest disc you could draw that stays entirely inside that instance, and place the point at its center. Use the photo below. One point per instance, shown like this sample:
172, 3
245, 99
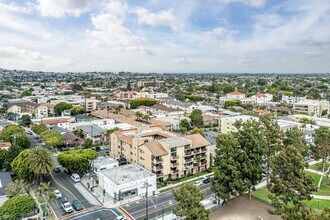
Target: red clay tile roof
197, 140
235, 93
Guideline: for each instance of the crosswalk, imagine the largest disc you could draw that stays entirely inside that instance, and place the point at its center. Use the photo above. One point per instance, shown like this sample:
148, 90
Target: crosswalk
118, 211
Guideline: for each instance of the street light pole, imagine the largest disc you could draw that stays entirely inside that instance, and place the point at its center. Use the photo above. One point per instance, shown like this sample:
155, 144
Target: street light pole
146, 185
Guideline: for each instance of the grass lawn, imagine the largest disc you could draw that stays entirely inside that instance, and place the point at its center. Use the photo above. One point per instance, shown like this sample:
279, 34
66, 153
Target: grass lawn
324, 189
319, 166
261, 195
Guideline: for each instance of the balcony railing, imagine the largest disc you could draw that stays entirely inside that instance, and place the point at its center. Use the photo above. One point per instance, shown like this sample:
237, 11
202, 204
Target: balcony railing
158, 160
174, 164
204, 149
187, 153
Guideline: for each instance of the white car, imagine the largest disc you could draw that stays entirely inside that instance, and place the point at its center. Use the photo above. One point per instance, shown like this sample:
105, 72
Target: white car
58, 194
67, 207
75, 177
198, 183
121, 217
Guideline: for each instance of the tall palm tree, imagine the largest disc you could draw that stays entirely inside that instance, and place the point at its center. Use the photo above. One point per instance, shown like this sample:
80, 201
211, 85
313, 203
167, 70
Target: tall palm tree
41, 162
139, 115
47, 193
146, 117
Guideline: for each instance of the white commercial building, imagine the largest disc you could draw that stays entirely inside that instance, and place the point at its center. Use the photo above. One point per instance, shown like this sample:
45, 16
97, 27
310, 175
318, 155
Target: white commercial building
104, 163
127, 181
228, 123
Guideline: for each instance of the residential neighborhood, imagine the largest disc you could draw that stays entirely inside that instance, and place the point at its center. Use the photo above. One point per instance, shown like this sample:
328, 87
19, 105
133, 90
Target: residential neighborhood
165, 110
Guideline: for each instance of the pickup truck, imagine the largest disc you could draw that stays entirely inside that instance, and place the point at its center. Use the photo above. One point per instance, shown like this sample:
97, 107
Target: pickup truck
66, 206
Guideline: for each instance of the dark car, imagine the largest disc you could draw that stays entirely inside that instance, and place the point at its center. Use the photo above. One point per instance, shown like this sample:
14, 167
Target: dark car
76, 205
57, 169
207, 180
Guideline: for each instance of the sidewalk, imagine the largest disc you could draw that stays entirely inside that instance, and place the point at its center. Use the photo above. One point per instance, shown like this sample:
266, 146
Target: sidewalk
189, 180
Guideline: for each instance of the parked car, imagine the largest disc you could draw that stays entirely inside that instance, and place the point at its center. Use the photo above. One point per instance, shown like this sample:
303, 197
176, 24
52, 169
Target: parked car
207, 180
75, 177
76, 205
57, 169
66, 206
58, 194
29, 132
198, 183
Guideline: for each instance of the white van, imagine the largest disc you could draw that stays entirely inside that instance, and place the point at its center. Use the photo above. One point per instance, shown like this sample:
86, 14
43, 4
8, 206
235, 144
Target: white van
75, 177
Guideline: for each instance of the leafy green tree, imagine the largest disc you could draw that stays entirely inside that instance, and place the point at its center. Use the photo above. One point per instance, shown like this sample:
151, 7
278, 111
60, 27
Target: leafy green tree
196, 118
273, 136
227, 88
77, 88
79, 133
184, 123
296, 138
10, 132
134, 103
23, 141
194, 98
39, 128
252, 141
77, 160
17, 206
21, 166
52, 138
230, 103
228, 162
110, 131
26, 93
129, 87
76, 110
139, 116
3, 154
60, 107
88, 143
17, 188
189, 199
321, 149
25, 121
307, 121
197, 131
11, 154
289, 185
40, 162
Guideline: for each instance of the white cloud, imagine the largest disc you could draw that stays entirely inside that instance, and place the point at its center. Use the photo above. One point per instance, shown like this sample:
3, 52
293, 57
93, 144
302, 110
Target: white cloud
252, 3
9, 57
118, 8
163, 18
61, 8
110, 29
182, 60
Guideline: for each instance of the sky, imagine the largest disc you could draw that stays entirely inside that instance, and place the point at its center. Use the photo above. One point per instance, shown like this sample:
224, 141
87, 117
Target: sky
172, 36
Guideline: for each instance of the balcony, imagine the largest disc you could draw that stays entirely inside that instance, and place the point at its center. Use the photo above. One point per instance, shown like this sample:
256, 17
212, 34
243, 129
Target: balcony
187, 153
157, 160
204, 149
196, 151
174, 171
160, 174
157, 168
174, 164
188, 159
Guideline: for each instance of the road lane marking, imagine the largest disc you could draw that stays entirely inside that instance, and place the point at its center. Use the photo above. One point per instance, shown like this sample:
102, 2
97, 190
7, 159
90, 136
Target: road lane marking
51, 174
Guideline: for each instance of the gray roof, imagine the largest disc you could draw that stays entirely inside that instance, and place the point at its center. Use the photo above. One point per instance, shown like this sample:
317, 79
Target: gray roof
5, 180
174, 141
92, 130
127, 173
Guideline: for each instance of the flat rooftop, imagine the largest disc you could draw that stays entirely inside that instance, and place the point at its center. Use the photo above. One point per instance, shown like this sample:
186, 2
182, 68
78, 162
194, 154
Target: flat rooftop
174, 141
127, 173
100, 161
241, 117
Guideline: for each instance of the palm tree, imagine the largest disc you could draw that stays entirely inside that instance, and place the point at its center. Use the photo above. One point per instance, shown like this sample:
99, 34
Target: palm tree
146, 117
117, 109
47, 193
139, 115
41, 162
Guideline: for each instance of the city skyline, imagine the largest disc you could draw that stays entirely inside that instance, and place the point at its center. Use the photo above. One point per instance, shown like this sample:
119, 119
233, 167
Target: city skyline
165, 36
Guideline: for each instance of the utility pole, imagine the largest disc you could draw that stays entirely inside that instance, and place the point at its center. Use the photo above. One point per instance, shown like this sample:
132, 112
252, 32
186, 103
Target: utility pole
146, 185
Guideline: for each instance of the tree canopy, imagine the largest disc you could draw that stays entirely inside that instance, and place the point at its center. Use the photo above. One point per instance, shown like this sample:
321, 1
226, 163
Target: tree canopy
189, 199
289, 185
196, 118
11, 131
52, 138
77, 160
39, 128
76, 110
17, 206
21, 166
60, 107
143, 101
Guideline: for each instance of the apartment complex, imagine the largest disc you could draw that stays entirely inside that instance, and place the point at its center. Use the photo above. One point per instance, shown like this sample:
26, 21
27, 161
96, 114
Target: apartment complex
311, 107
228, 123
161, 152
